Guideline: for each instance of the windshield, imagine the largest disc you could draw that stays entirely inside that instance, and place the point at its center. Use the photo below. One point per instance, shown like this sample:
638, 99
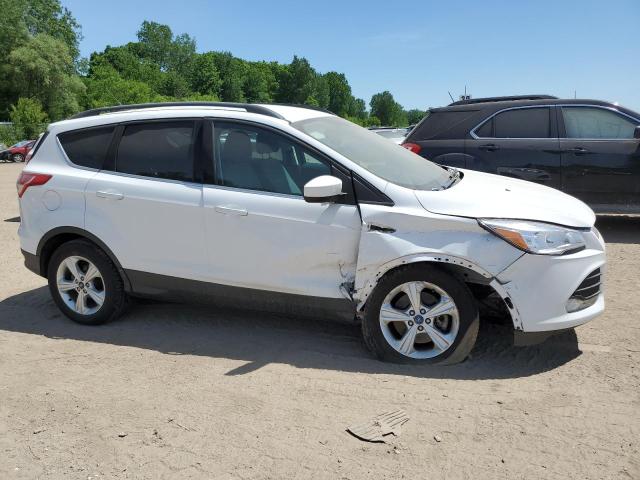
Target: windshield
372, 152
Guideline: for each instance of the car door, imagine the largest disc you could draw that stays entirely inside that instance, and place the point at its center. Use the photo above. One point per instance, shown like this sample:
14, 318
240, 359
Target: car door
600, 159
519, 142
145, 205
260, 232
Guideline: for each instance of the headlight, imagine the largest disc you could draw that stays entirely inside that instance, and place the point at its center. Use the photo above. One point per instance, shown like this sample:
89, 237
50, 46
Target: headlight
536, 237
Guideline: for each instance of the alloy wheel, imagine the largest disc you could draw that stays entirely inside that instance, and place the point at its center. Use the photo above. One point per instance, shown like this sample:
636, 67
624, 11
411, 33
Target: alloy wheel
80, 285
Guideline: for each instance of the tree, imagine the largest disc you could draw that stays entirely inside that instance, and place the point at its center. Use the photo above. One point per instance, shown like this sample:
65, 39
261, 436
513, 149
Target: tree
157, 44
50, 17
415, 115
43, 69
260, 82
340, 97
28, 118
387, 110
105, 87
232, 75
296, 82
204, 77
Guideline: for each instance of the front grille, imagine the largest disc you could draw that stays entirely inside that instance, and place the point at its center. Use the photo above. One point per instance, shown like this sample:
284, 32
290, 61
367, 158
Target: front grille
590, 286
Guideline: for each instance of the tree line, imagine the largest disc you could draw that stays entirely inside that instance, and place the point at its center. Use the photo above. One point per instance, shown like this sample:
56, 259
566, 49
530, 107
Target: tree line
43, 78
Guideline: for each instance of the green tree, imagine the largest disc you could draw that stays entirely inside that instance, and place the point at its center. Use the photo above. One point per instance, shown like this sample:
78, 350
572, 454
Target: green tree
415, 115
51, 18
43, 69
387, 110
106, 87
232, 74
296, 82
204, 77
260, 82
28, 118
340, 97
157, 44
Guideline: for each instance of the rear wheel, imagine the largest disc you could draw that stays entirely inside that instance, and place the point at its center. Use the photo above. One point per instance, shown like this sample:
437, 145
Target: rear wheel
420, 314
85, 283
17, 157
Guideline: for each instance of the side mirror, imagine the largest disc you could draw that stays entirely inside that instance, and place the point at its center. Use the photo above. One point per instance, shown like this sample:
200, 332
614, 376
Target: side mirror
636, 132
323, 189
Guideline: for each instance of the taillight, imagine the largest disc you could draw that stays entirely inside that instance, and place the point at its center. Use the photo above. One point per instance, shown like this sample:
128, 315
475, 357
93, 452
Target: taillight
414, 147
27, 179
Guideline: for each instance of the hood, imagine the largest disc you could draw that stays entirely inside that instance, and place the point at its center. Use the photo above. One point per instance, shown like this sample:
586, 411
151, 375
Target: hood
483, 195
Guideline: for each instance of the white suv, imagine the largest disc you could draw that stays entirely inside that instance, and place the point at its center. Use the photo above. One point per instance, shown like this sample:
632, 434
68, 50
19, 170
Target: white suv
282, 206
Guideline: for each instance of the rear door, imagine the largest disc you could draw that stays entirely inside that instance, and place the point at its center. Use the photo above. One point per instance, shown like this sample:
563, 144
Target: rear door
146, 204
600, 159
521, 143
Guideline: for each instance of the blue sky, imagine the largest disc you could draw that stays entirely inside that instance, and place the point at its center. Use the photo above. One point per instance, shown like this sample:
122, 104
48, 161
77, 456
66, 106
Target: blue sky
418, 50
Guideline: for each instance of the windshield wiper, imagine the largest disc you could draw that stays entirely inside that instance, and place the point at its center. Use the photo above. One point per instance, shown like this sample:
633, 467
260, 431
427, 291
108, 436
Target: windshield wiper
454, 177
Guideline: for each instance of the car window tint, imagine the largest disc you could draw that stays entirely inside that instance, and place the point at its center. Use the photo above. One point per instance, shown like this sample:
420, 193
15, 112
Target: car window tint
522, 123
486, 129
585, 122
258, 159
87, 148
158, 150
440, 124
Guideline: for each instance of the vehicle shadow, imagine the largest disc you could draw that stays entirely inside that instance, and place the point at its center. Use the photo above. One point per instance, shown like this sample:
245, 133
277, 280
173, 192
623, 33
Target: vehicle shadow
263, 338
619, 228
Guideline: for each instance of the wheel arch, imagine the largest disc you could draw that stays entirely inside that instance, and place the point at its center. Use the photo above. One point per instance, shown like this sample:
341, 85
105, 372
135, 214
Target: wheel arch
56, 237
466, 271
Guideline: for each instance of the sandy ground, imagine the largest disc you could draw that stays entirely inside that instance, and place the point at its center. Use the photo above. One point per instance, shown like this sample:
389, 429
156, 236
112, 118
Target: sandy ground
175, 391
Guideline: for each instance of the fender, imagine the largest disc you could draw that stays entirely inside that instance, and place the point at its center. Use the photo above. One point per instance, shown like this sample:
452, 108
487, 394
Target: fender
79, 232
363, 293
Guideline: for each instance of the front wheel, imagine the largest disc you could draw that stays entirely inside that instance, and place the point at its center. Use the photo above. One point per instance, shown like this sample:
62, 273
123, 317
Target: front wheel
85, 283
17, 157
420, 314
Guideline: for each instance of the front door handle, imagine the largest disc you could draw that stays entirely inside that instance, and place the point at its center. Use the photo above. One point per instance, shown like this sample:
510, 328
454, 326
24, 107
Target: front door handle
231, 210
579, 151
490, 147
112, 194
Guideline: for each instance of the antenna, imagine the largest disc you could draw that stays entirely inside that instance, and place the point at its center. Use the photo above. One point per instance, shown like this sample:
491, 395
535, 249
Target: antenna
451, 96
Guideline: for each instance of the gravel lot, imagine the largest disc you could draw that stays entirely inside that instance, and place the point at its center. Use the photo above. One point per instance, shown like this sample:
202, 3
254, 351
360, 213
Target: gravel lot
177, 391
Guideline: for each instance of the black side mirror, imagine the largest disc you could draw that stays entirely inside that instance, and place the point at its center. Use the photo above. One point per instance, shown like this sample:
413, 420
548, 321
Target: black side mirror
636, 132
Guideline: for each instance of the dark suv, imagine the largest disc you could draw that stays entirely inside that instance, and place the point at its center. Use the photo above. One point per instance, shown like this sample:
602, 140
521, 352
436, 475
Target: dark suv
586, 148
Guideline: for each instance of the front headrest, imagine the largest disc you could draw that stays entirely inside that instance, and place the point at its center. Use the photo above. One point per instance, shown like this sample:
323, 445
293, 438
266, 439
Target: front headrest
266, 143
237, 146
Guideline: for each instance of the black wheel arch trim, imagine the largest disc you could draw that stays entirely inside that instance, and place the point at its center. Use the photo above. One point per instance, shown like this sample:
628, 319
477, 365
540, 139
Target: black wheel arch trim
83, 234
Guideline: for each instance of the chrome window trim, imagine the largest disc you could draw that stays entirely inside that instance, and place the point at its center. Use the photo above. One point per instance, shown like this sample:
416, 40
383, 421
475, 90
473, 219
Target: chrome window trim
472, 132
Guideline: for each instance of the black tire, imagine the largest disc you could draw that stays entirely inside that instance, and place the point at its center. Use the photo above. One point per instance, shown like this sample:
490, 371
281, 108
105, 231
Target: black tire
17, 157
115, 298
468, 315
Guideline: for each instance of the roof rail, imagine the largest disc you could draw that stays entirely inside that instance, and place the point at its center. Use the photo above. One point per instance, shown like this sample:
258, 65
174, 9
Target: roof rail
249, 107
503, 99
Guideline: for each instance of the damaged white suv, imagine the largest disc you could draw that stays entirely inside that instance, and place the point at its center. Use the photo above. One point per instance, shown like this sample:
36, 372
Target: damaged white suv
275, 206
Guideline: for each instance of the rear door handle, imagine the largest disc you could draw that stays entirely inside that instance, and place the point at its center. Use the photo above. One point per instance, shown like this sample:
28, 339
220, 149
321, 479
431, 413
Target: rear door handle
109, 194
231, 210
579, 151
491, 147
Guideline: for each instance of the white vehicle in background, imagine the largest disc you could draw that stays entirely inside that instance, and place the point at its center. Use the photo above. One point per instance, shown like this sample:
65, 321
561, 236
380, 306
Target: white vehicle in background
280, 206
396, 135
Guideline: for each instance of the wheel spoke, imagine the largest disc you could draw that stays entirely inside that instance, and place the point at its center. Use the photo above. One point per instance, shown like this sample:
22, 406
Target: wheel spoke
72, 265
413, 290
92, 272
443, 307
440, 339
406, 345
389, 314
80, 301
66, 285
95, 295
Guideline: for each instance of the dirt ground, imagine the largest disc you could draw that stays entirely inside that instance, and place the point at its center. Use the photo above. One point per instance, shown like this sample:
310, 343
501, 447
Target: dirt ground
177, 391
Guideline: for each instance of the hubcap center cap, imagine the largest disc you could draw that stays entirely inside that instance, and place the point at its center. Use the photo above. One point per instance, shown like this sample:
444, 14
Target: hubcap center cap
418, 319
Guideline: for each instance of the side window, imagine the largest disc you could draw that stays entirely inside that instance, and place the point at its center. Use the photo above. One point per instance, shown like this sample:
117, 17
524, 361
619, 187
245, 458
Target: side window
254, 158
486, 129
523, 123
158, 150
585, 122
87, 148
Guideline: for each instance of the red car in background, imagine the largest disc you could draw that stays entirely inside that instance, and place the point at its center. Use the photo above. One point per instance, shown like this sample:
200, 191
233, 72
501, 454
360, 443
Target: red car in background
17, 152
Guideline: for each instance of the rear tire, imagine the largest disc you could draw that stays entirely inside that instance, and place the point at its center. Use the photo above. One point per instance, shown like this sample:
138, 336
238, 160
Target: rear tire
399, 340
85, 283
17, 157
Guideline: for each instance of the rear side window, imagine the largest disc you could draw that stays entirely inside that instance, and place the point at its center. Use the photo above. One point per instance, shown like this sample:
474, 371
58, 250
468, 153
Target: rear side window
158, 150
585, 122
87, 148
522, 123
441, 124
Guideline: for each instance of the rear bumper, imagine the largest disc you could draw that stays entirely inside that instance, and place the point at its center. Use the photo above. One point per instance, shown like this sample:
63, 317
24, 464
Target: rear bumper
32, 262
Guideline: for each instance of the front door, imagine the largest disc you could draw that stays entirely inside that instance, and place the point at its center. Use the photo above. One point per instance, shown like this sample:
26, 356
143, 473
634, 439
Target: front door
600, 159
520, 143
261, 234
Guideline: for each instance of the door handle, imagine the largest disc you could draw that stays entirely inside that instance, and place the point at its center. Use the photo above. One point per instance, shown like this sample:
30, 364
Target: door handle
579, 151
109, 194
491, 147
231, 210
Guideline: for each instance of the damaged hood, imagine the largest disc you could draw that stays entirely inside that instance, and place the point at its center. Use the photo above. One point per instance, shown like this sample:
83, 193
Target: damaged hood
483, 195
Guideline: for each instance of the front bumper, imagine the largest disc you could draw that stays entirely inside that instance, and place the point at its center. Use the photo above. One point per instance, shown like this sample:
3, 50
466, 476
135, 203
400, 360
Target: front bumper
540, 286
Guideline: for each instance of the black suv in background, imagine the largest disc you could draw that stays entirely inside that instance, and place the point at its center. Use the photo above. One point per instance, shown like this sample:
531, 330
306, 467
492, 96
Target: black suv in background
586, 148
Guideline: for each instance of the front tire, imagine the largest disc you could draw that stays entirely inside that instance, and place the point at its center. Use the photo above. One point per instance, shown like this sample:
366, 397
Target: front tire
420, 314
85, 283
17, 157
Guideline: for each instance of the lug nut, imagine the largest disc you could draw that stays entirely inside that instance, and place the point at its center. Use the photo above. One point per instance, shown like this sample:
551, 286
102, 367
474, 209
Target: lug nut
421, 328
423, 311
428, 320
411, 324
412, 313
